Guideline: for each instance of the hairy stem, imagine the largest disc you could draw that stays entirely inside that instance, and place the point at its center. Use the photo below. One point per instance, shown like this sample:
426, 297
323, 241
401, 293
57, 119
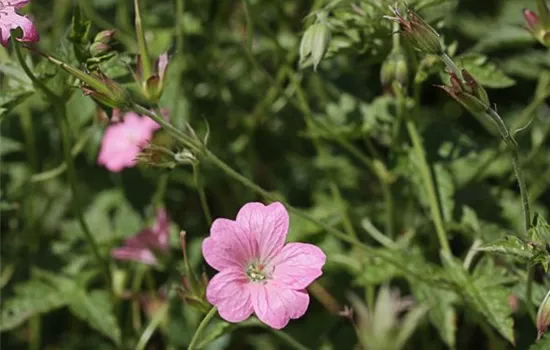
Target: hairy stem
202, 195
429, 185
202, 326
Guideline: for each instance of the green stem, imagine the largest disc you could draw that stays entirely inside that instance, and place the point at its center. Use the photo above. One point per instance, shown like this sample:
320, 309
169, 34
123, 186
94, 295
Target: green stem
202, 195
528, 294
201, 327
429, 186
348, 226
59, 104
293, 343
152, 326
181, 137
71, 172
180, 36
451, 65
161, 190
142, 45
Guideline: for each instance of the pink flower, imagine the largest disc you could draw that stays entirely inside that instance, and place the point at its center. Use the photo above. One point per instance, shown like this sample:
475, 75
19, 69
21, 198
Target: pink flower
257, 271
9, 19
123, 141
142, 246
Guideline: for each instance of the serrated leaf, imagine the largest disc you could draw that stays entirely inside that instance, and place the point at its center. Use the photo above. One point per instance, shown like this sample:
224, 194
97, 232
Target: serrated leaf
486, 73
96, 309
442, 312
483, 294
510, 245
31, 298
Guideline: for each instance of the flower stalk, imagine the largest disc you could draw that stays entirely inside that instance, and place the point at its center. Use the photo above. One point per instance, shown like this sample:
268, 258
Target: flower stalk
205, 321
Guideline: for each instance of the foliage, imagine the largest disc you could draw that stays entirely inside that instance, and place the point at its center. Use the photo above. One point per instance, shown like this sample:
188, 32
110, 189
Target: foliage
282, 100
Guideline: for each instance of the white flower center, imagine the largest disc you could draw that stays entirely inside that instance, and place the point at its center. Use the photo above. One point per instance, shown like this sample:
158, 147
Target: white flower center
258, 272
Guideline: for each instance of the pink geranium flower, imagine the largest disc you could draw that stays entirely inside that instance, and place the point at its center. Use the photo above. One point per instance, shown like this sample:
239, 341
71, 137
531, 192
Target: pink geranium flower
123, 141
258, 273
10, 19
143, 246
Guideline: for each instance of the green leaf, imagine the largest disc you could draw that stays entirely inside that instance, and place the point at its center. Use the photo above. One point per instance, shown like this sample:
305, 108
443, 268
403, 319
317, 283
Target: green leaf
8, 145
96, 309
486, 73
442, 312
483, 294
31, 298
542, 344
510, 245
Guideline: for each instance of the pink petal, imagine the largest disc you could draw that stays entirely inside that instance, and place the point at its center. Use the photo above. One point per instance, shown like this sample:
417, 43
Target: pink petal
228, 291
10, 19
160, 229
162, 64
275, 305
297, 265
16, 3
134, 254
229, 246
268, 223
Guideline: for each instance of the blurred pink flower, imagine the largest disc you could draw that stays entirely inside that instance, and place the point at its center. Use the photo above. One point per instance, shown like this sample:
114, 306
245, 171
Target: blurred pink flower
9, 19
143, 246
257, 271
123, 141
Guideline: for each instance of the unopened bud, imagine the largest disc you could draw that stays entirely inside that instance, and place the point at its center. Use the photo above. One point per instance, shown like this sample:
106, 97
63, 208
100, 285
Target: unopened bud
468, 93
421, 35
475, 88
387, 72
543, 315
105, 36
99, 49
539, 24
185, 157
157, 156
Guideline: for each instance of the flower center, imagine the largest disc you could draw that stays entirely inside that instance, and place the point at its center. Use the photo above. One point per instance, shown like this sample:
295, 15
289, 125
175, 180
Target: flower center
258, 272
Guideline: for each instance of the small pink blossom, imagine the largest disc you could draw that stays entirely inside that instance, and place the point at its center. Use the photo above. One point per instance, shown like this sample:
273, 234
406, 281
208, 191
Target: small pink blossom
143, 246
258, 273
10, 19
123, 141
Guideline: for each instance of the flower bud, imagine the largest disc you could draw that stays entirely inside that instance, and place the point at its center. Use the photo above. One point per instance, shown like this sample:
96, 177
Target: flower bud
468, 93
96, 84
539, 24
394, 68
543, 316
99, 49
105, 36
421, 35
185, 157
157, 156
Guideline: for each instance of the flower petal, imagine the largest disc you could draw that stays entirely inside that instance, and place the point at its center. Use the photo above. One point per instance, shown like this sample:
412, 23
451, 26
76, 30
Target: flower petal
297, 265
12, 20
229, 246
228, 291
161, 65
268, 223
16, 3
275, 305
141, 255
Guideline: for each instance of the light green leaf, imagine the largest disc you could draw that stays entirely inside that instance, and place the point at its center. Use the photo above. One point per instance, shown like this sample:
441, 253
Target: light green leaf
510, 245
484, 294
442, 312
96, 309
8, 145
31, 298
486, 73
